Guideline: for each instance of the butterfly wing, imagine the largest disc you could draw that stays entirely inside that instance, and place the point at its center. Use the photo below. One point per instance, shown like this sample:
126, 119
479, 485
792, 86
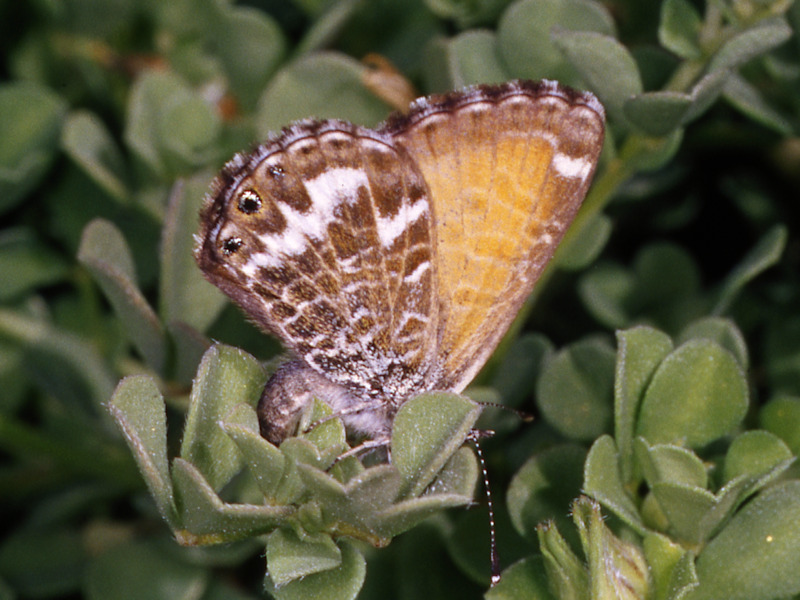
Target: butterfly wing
507, 167
323, 237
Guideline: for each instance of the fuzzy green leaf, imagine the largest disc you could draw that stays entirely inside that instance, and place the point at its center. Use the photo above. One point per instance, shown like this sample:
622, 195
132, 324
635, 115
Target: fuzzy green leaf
524, 580
323, 85
524, 35
697, 394
138, 408
764, 255
541, 488
755, 556
639, 352
90, 145
617, 569
574, 391
673, 464
749, 43
657, 113
606, 65
679, 28
602, 481
781, 416
185, 295
205, 519
722, 331
291, 557
266, 463
754, 453
105, 253
671, 567
427, 431
226, 378
340, 583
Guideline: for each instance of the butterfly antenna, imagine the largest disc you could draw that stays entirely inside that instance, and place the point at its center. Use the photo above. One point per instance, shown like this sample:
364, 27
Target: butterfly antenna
524, 416
494, 557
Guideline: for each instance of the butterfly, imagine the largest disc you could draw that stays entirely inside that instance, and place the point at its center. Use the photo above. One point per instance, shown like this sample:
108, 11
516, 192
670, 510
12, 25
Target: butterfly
391, 261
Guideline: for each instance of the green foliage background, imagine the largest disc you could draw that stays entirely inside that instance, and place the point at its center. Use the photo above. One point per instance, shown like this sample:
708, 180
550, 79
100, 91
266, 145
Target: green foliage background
660, 353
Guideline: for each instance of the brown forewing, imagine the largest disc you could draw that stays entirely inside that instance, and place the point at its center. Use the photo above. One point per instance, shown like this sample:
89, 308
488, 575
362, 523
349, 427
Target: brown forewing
323, 236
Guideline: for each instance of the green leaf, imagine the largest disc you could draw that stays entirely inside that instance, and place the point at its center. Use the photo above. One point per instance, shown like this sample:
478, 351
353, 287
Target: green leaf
249, 44
524, 580
705, 92
543, 486
327, 26
586, 248
602, 481
226, 378
574, 390
753, 454
673, 464
671, 567
657, 113
687, 508
341, 583
458, 476
185, 295
323, 85
639, 351
169, 127
402, 516
427, 431
515, 375
698, 394
617, 568
781, 416
472, 57
722, 331
327, 434
205, 519
679, 28
662, 287
138, 408
143, 570
265, 461
30, 124
607, 66
60, 363
290, 557
604, 290
42, 564
749, 100
105, 253
90, 145
755, 556
524, 35
752, 42
26, 264
566, 575
766, 253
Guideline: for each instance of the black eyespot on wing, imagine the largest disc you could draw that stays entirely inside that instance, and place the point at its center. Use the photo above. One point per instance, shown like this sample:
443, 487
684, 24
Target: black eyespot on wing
249, 202
232, 245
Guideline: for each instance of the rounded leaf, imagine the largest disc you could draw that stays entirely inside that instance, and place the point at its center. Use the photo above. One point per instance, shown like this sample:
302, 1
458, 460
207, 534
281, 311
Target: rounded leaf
544, 485
575, 389
755, 556
698, 394
340, 583
781, 416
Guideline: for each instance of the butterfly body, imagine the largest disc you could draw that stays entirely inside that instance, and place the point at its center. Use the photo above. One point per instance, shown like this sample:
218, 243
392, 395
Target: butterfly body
390, 262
